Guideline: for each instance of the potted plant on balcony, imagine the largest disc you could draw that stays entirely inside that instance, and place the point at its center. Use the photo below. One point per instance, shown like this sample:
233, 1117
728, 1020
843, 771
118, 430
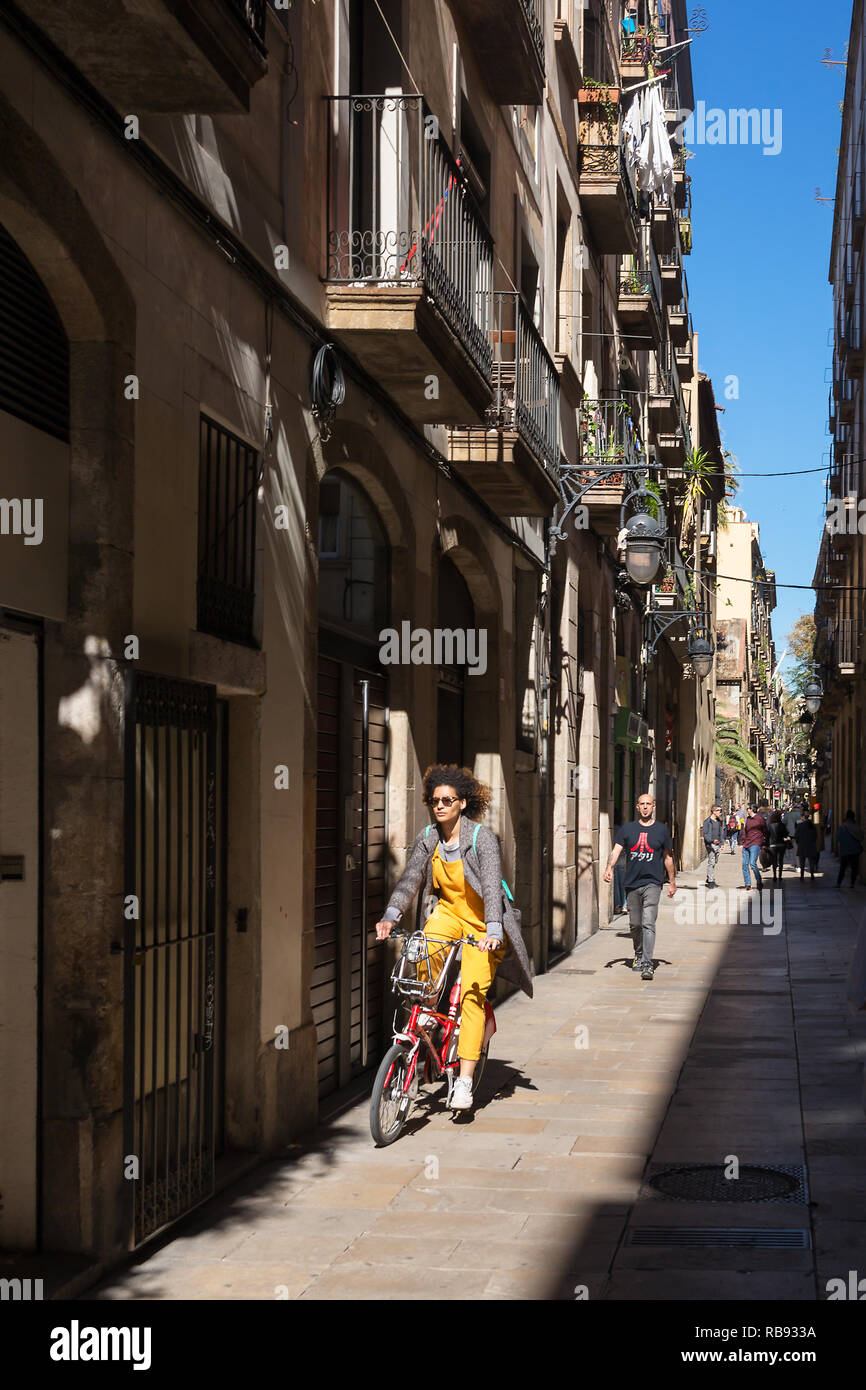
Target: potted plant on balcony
633, 283
665, 592
599, 94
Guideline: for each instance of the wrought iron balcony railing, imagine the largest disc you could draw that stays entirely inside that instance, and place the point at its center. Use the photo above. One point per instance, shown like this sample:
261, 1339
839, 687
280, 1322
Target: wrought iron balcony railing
609, 435
401, 213
525, 380
610, 160
534, 11
253, 14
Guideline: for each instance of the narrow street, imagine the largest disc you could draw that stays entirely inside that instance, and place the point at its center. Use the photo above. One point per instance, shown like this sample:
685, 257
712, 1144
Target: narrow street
741, 1048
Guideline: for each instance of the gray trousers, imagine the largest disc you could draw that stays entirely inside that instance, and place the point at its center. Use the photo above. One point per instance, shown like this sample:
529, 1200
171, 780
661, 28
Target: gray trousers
643, 906
713, 852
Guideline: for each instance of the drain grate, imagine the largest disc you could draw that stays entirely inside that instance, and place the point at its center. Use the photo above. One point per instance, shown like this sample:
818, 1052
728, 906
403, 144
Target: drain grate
706, 1182
575, 972
704, 1236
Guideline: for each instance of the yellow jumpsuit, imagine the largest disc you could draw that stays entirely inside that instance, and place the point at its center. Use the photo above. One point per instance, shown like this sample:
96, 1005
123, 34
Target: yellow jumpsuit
460, 912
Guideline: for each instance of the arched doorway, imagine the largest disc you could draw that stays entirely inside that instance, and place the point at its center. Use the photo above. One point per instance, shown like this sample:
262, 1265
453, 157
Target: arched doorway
348, 986
456, 613
34, 468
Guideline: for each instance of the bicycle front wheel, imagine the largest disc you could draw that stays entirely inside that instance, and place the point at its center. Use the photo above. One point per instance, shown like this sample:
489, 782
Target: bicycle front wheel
390, 1102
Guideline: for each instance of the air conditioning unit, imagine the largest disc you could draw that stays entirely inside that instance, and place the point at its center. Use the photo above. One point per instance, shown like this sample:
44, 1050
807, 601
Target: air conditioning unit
634, 723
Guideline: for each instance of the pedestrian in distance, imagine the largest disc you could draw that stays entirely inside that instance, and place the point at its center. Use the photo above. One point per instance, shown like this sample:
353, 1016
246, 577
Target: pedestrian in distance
733, 830
647, 844
849, 839
807, 844
713, 832
792, 819
777, 843
753, 840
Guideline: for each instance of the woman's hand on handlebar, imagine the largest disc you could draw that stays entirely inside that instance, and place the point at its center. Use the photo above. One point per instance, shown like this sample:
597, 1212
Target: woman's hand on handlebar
488, 943
384, 929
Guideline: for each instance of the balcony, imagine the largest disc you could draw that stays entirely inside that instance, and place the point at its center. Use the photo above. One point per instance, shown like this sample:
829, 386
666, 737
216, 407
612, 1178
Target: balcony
567, 37
671, 270
513, 463
845, 646
409, 268
858, 210
608, 196
663, 227
674, 442
608, 436
843, 392
685, 230
682, 180
662, 402
635, 54
854, 340
639, 302
181, 55
680, 324
507, 38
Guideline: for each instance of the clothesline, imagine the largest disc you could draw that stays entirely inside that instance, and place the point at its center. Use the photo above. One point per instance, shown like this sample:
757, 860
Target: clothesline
659, 77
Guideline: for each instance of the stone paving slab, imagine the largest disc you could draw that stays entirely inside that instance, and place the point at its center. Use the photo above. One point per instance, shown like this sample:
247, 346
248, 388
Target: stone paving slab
533, 1195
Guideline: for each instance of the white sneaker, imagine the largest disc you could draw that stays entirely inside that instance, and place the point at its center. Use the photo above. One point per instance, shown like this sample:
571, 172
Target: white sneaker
461, 1095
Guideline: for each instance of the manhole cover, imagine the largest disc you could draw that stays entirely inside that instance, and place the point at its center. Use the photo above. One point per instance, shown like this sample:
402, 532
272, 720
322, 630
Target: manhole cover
711, 1182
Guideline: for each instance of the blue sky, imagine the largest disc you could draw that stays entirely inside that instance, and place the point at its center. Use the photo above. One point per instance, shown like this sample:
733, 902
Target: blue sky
758, 287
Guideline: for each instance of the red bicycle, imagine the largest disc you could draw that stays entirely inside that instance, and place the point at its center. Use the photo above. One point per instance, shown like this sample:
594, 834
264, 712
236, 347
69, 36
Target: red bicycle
425, 1048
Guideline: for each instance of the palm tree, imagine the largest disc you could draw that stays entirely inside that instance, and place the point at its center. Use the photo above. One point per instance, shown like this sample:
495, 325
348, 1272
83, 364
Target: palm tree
732, 753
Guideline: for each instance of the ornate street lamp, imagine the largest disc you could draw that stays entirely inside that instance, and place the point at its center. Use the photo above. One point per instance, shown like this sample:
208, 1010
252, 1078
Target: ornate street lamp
813, 695
701, 652
644, 541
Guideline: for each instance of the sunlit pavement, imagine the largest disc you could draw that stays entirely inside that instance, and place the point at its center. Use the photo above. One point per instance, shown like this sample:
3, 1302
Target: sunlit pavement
742, 1048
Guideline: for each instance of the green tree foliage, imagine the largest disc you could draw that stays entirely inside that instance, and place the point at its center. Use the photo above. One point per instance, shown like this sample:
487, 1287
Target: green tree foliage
732, 753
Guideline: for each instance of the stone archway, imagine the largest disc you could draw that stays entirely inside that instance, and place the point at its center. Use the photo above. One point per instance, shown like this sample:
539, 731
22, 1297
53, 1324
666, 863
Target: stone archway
82, 737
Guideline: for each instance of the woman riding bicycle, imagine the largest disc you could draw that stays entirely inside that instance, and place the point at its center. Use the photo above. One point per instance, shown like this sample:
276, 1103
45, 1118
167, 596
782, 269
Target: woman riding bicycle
460, 867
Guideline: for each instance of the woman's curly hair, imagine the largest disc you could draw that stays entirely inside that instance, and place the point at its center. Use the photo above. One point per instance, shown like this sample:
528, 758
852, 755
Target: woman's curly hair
468, 788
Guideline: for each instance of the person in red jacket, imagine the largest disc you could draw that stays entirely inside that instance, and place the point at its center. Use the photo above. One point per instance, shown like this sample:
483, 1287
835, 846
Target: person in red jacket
753, 839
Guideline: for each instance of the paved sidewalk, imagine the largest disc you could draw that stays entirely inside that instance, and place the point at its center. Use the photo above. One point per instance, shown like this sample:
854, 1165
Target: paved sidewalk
742, 1047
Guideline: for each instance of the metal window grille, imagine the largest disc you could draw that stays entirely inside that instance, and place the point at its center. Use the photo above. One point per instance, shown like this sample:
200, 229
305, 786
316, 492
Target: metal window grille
228, 483
173, 856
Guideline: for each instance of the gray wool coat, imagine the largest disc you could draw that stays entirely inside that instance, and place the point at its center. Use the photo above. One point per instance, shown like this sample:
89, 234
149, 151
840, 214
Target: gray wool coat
483, 870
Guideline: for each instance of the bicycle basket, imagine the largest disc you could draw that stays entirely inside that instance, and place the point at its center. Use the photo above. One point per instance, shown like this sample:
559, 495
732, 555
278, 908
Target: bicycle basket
419, 973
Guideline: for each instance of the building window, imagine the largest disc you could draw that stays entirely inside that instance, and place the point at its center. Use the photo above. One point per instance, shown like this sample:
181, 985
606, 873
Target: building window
228, 484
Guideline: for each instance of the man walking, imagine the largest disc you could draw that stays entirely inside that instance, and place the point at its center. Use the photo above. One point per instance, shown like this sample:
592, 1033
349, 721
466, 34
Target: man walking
712, 833
733, 828
792, 820
754, 838
647, 844
849, 838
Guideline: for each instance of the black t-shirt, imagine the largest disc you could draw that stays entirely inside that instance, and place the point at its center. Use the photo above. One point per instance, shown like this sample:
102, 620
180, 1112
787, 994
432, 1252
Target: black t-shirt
644, 849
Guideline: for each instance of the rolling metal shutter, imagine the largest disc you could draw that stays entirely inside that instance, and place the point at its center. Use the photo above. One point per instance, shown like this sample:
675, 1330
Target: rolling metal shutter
34, 352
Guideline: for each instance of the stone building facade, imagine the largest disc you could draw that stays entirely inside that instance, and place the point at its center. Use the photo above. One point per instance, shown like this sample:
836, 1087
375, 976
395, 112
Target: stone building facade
214, 216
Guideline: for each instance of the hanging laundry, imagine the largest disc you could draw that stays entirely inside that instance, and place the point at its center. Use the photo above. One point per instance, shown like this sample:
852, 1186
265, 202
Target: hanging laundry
655, 163
632, 131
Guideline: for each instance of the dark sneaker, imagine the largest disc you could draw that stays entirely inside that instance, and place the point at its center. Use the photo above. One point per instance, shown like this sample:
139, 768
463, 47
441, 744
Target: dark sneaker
647, 972
637, 963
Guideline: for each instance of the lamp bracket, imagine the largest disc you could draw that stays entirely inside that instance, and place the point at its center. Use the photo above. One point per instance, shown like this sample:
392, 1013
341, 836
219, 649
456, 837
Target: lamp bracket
576, 480
659, 620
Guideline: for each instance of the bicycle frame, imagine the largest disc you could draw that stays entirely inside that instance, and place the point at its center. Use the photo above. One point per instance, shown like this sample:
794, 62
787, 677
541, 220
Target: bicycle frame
424, 995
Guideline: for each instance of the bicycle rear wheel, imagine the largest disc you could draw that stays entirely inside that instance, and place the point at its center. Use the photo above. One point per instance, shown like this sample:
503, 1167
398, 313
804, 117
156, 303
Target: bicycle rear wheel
390, 1103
